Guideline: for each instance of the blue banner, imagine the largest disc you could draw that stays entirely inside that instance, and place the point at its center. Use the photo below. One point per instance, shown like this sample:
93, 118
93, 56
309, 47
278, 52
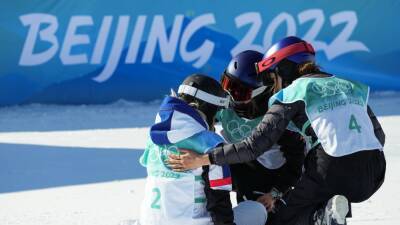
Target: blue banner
84, 52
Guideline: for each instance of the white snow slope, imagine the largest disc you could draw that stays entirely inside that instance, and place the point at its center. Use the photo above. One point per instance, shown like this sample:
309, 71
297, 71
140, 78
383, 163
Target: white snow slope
78, 165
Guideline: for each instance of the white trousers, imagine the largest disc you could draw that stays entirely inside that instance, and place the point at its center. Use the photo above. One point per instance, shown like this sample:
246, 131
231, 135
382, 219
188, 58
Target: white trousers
250, 213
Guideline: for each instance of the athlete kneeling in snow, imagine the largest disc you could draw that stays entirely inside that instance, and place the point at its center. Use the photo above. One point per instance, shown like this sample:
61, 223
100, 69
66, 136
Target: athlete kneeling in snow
199, 196
275, 171
345, 159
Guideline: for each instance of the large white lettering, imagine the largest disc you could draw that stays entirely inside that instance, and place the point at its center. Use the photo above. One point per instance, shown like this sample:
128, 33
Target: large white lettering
28, 57
116, 50
202, 54
158, 34
74, 39
101, 40
42, 41
135, 40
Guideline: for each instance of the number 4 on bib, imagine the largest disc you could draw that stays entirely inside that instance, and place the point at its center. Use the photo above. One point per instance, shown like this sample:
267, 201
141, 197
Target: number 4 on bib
353, 125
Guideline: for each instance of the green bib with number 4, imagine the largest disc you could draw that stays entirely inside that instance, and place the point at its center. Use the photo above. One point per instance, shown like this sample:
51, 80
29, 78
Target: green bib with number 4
336, 110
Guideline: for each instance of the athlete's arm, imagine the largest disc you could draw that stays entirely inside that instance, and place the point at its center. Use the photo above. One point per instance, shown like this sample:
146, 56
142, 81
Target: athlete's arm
268, 131
377, 127
262, 138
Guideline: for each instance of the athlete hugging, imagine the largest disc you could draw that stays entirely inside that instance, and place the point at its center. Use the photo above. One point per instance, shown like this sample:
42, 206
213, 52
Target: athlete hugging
273, 132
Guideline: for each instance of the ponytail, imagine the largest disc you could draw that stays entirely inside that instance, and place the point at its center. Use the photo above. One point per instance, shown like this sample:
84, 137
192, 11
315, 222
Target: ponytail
308, 68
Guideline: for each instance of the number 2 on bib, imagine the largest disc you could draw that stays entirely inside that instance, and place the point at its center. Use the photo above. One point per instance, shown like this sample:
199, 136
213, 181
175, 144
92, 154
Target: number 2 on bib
156, 202
353, 125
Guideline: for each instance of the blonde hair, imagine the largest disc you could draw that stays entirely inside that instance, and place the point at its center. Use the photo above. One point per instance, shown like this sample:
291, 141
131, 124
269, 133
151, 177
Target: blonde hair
308, 68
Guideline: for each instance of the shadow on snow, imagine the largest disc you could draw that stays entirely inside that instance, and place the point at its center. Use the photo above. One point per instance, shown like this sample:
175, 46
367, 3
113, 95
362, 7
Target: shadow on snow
27, 167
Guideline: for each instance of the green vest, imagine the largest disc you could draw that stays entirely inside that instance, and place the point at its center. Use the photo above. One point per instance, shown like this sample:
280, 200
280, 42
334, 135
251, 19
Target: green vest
337, 111
235, 127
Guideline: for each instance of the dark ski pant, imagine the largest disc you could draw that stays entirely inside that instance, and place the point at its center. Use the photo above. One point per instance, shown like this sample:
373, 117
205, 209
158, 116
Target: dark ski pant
250, 177
356, 176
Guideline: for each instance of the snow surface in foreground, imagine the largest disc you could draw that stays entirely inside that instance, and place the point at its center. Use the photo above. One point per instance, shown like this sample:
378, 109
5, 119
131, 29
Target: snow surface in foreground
78, 165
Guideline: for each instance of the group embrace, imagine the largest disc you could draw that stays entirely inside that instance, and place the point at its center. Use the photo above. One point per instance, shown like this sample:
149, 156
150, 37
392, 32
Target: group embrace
297, 145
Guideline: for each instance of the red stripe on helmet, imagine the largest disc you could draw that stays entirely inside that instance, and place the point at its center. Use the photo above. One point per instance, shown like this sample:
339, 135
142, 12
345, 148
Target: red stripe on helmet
283, 53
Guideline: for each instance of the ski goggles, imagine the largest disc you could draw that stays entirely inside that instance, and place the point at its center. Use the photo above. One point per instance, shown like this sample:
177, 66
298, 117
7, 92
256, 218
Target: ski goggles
238, 91
202, 95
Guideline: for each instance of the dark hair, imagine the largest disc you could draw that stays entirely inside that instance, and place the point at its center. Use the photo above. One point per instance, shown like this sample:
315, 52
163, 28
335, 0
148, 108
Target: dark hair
295, 70
277, 86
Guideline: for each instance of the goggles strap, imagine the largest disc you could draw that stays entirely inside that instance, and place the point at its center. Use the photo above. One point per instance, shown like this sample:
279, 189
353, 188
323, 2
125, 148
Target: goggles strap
202, 95
283, 53
258, 91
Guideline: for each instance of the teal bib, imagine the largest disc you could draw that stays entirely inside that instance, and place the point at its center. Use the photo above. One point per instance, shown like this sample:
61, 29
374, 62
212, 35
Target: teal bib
235, 127
337, 111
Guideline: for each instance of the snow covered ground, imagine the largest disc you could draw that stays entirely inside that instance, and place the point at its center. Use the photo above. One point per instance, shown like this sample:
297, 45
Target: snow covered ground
78, 165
